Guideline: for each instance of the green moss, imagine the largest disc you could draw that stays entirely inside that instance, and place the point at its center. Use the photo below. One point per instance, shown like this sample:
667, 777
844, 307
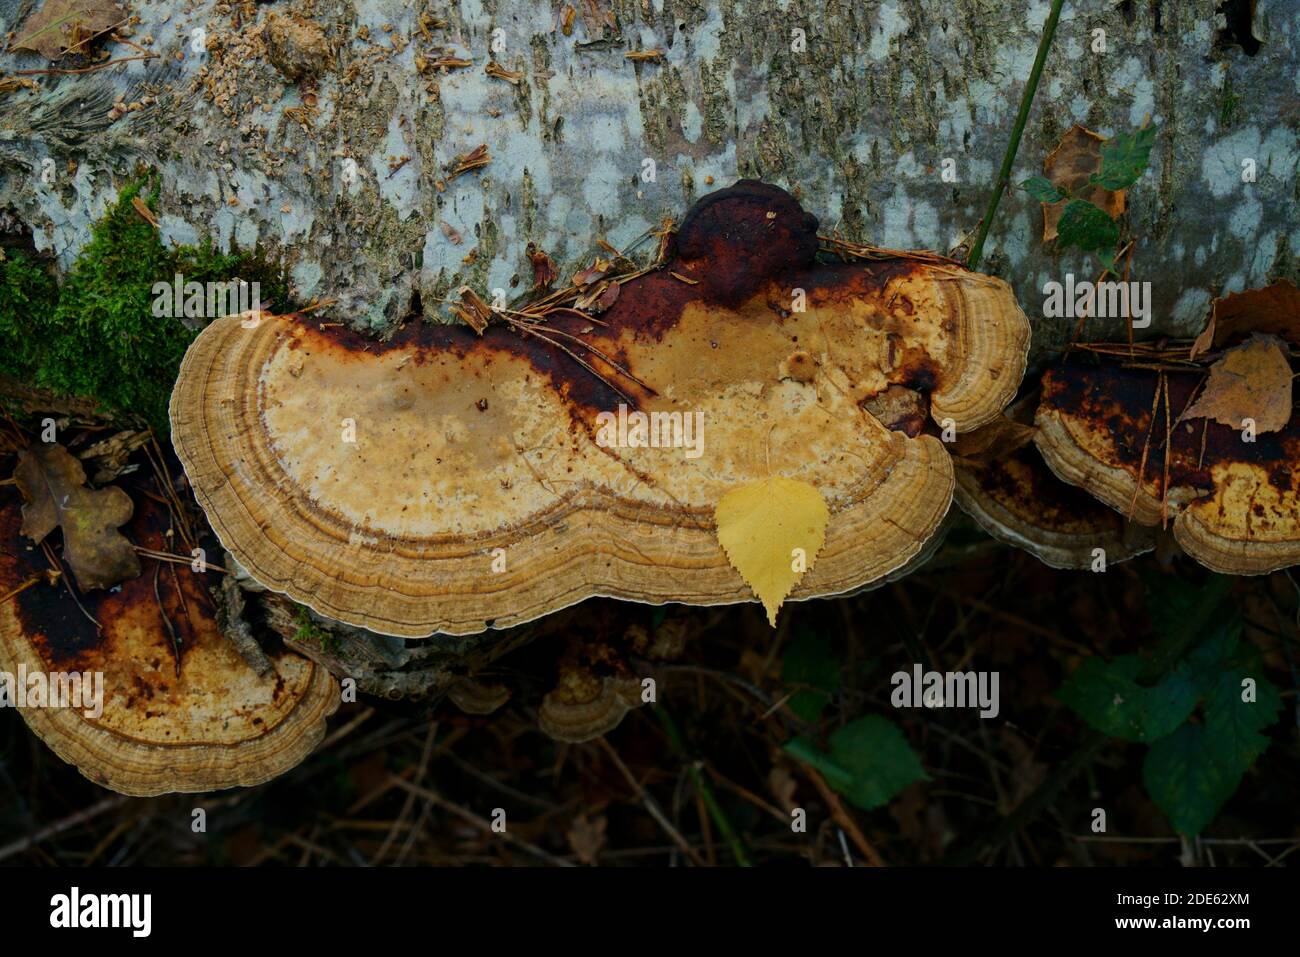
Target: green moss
28, 293
96, 335
309, 631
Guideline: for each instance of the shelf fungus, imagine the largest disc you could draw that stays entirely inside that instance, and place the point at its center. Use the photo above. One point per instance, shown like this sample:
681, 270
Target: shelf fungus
450, 480
1123, 435
1015, 497
593, 692
136, 686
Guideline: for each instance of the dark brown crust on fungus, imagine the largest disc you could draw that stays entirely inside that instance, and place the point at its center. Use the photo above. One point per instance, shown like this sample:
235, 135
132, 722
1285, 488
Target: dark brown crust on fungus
1234, 505
182, 713
1018, 500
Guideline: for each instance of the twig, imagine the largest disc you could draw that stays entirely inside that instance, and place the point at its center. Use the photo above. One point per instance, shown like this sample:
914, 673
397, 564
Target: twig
410, 797
652, 805
67, 824
482, 823
85, 69
842, 817
1009, 157
1146, 449
21, 588
171, 631
63, 577
702, 788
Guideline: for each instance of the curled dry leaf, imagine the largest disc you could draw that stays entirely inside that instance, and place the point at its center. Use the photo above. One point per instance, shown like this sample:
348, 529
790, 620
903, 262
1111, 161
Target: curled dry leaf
772, 530
476, 158
53, 485
64, 26
1251, 381
544, 271
1076, 158
143, 210
587, 836
1274, 309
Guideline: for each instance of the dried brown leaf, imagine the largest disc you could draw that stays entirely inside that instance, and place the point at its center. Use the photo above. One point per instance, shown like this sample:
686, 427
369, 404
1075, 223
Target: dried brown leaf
1273, 309
513, 77
544, 271
53, 485
1251, 381
145, 213
587, 837
783, 786
1076, 158
60, 26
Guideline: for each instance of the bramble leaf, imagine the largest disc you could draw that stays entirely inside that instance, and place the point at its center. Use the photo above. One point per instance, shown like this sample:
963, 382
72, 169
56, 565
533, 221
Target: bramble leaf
1109, 698
812, 668
869, 761
1043, 189
1124, 158
1086, 227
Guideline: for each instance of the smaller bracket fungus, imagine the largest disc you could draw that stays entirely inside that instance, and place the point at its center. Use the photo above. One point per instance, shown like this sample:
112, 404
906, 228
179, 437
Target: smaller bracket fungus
453, 479
592, 694
1119, 433
1018, 500
1003, 483
176, 708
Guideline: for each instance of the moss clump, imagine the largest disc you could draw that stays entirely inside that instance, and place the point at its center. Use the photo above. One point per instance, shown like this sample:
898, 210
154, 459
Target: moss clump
27, 293
96, 335
309, 631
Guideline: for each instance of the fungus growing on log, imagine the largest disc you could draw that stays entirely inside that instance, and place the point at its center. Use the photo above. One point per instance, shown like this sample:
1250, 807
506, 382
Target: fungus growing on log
1018, 500
1003, 483
181, 711
593, 692
1234, 500
449, 481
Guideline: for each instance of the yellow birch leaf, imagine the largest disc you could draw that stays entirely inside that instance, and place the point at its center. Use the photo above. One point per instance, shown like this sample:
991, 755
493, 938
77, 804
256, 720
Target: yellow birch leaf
771, 530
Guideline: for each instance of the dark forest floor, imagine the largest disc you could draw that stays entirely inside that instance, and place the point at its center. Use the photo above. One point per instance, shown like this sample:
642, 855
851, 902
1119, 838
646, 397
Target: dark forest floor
406, 785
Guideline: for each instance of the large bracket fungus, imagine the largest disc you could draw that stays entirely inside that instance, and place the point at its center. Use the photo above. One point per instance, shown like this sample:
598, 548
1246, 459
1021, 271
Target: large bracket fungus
178, 708
1234, 504
449, 481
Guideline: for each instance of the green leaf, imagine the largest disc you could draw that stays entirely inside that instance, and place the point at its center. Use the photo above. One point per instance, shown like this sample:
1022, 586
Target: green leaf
1183, 775
1223, 668
1086, 227
869, 761
1043, 189
1194, 771
1124, 159
1109, 698
810, 666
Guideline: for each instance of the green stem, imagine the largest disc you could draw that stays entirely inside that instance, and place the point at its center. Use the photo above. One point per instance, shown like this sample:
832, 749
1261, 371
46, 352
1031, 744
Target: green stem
1008, 158
705, 790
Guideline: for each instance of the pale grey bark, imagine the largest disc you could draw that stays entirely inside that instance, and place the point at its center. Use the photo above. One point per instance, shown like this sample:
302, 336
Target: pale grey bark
859, 124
